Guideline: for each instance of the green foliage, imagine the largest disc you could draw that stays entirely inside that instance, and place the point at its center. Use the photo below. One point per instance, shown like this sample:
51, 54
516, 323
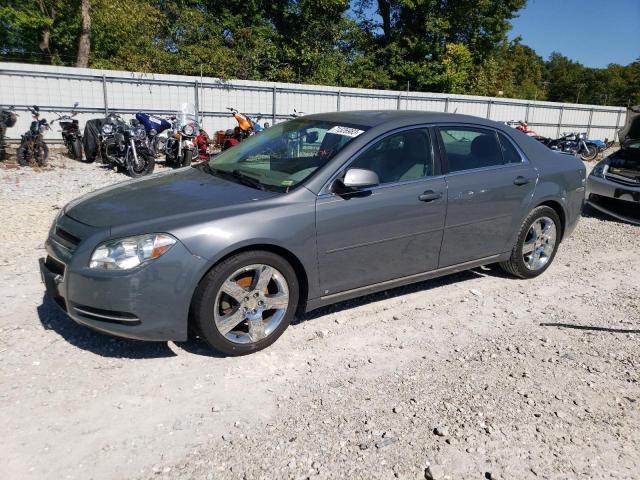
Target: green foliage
454, 46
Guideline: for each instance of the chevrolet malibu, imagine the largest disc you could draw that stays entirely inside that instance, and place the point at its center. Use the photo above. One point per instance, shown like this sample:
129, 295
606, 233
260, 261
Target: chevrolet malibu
310, 212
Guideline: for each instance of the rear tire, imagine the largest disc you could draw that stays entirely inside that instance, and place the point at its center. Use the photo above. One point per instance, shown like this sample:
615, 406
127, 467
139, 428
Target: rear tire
209, 295
521, 264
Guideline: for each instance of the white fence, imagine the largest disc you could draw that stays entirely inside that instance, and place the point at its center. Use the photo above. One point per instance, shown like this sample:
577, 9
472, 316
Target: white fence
102, 91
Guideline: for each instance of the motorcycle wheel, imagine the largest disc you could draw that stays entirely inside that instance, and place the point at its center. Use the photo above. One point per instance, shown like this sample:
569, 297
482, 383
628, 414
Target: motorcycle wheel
145, 167
589, 154
23, 155
77, 149
186, 158
41, 154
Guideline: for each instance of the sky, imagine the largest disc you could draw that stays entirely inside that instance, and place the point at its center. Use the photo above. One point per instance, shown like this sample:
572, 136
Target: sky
592, 32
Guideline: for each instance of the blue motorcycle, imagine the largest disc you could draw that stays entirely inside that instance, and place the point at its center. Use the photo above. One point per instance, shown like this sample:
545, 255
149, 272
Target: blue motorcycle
154, 126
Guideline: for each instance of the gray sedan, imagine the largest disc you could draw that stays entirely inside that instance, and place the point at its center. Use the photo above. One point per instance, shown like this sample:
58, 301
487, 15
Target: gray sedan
310, 212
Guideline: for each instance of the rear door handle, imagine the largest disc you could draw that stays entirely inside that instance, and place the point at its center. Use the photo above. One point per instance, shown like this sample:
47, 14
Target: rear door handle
430, 196
519, 180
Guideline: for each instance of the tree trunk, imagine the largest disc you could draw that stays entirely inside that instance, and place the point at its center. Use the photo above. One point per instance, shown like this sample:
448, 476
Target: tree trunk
45, 35
384, 9
84, 41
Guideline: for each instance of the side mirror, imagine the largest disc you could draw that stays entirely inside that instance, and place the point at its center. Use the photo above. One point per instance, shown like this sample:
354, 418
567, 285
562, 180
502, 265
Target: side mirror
357, 178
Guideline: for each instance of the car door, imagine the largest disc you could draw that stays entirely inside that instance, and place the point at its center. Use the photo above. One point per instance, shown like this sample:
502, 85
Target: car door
489, 184
388, 231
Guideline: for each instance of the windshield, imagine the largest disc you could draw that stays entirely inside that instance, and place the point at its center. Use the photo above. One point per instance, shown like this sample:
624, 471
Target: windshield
285, 155
186, 114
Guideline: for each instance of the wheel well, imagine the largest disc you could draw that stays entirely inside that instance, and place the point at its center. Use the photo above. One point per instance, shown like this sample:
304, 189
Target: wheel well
559, 210
301, 273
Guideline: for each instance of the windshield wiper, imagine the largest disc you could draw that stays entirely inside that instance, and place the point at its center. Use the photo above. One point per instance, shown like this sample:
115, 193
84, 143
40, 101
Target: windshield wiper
235, 174
248, 180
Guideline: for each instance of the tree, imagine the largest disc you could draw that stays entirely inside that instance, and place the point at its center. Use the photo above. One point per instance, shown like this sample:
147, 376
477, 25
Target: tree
84, 41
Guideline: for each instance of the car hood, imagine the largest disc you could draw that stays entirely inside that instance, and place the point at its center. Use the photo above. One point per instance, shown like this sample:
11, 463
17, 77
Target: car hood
180, 192
631, 129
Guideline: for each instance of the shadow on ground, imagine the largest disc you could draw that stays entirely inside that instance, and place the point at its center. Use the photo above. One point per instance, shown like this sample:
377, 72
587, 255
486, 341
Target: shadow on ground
590, 327
53, 318
489, 270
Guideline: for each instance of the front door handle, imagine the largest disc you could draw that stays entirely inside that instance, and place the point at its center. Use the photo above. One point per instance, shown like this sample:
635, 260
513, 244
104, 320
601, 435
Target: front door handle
520, 180
430, 196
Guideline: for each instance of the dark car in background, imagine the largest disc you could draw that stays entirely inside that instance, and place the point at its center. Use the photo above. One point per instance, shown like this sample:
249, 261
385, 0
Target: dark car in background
613, 186
310, 212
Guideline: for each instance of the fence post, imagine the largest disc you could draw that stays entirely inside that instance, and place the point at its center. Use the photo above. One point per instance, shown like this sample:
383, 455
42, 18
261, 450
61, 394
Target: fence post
197, 98
104, 95
489, 109
273, 107
615, 133
526, 113
446, 104
399, 98
560, 121
590, 121
338, 101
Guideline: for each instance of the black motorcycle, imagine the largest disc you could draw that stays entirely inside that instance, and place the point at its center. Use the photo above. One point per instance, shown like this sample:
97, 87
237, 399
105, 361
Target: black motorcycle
125, 146
32, 146
574, 143
71, 133
8, 118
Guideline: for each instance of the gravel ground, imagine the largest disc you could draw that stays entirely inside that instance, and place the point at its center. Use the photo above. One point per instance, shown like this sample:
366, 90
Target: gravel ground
475, 375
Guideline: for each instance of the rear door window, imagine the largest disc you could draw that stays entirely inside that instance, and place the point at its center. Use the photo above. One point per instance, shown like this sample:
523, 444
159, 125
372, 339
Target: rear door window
468, 148
509, 152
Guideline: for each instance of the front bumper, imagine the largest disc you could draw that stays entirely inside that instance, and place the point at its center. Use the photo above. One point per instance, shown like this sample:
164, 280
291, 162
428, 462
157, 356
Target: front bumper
614, 199
150, 302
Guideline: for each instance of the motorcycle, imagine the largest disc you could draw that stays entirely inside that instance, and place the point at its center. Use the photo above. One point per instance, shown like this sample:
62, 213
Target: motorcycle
8, 118
71, 133
245, 128
180, 148
32, 146
574, 143
154, 126
126, 146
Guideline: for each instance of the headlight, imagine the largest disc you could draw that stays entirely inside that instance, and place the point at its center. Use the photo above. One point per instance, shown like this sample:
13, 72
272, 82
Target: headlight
107, 129
140, 133
153, 132
127, 253
187, 130
600, 169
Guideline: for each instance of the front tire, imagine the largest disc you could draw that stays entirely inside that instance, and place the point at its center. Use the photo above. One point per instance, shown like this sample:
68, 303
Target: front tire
76, 149
536, 245
590, 153
144, 166
23, 155
41, 154
187, 157
245, 302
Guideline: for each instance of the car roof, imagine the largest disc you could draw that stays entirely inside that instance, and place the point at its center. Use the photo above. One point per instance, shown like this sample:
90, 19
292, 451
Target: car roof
374, 118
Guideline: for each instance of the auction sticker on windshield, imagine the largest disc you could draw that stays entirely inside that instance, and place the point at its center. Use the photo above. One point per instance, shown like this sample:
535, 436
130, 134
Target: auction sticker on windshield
346, 131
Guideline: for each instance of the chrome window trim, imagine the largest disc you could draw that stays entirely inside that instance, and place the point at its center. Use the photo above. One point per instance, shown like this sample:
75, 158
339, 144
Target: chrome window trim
324, 191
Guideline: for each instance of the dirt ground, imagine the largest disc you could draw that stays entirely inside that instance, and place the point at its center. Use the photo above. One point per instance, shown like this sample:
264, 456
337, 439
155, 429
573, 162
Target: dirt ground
475, 375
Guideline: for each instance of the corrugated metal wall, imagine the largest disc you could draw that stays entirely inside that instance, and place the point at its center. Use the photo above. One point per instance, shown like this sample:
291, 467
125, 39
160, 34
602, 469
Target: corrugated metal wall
57, 88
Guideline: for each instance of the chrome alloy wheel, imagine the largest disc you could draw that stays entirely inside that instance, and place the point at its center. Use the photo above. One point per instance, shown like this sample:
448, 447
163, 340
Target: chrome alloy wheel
251, 303
539, 243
